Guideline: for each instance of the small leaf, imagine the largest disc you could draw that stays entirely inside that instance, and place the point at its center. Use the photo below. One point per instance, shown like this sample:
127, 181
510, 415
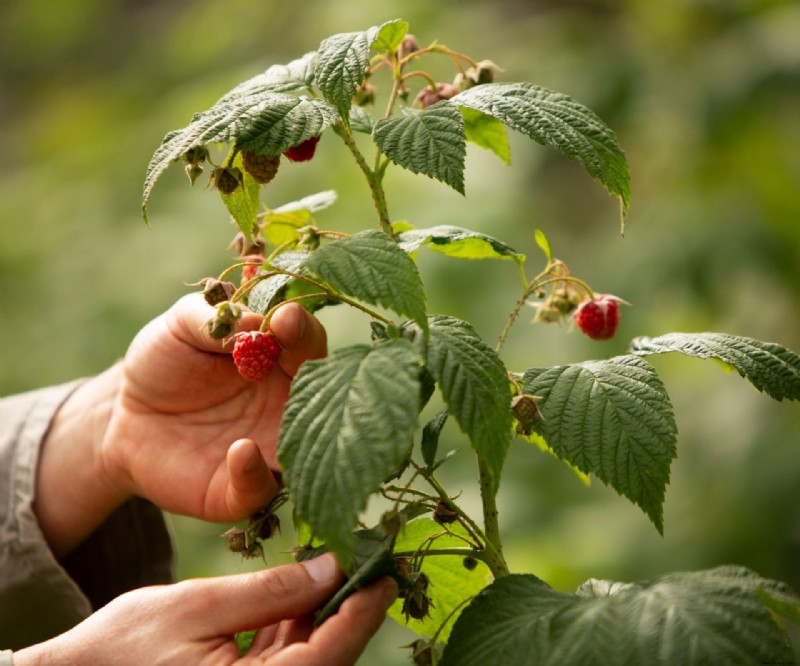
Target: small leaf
372, 557
543, 243
268, 293
450, 583
554, 119
313, 203
768, 366
430, 438
348, 424
391, 35
430, 142
692, 619
244, 202
613, 419
361, 120
457, 242
341, 67
486, 132
474, 383
279, 228
371, 267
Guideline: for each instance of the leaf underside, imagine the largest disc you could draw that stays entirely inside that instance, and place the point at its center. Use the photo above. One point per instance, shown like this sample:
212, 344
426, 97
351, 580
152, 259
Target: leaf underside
613, 419
692, 619
770, 367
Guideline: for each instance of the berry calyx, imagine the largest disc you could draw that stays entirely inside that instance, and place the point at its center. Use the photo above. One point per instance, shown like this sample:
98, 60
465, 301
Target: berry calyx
598, 318
304, 151
428, 96
255, 355
262, 168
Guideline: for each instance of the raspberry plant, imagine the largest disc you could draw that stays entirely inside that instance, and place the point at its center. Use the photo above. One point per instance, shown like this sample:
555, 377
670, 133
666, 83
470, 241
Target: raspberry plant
352, 427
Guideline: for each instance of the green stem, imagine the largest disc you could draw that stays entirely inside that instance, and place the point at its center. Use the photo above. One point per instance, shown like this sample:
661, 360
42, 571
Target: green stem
374, 179
491, 527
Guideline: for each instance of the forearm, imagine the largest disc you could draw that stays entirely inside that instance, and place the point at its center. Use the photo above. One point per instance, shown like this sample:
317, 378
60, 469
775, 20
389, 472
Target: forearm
73, 492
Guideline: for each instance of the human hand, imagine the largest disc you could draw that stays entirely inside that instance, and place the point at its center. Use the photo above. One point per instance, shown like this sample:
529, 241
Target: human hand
182, 404
195, 621
175, 423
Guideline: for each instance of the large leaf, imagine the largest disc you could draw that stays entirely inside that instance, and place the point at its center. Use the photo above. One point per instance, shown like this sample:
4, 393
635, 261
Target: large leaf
556, 120
768, 366
342, 62
474, 383
687, 619
297, 76
268, 122
369, 266
431, 142
457, 242
347, 425
450, 582
613, 419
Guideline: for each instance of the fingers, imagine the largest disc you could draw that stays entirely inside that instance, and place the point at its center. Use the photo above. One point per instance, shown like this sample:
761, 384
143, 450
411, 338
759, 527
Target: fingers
343, 637
251, 484
300, 334
188, 321
249, 601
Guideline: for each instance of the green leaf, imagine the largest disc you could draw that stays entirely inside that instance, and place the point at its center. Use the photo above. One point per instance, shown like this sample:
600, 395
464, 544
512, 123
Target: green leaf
691, 619
361, 120
269, 292
554, 119
768, 366
370, 267
391, 35
244, 202
431, 142
348, 424
457, 242
430, 438
474, 383
268, 122
450, 582
276, 122
341, 66
297, 76
486, 132
613, 419
372, 557
543, 243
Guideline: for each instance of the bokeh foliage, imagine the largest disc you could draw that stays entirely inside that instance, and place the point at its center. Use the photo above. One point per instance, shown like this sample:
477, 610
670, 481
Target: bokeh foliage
705, 98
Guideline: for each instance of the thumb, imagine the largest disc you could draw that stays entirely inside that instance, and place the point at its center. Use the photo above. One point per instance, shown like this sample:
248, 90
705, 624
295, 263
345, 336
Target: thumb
253, 600
251, 484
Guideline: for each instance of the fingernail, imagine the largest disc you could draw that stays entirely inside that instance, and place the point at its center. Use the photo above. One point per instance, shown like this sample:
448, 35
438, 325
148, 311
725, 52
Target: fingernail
389, 594
322, 569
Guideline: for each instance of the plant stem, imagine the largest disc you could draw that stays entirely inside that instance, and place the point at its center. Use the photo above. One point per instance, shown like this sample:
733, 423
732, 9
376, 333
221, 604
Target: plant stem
374, 180
491, 527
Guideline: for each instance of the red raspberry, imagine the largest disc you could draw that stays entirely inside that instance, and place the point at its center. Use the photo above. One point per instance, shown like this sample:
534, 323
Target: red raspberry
598, 318
255, 354
251, 269
303, 152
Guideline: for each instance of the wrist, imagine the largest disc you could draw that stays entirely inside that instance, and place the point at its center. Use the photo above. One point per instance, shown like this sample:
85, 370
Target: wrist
75, 492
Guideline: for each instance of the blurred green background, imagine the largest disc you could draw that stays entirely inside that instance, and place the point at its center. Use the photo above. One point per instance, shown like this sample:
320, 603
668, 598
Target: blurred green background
705, 98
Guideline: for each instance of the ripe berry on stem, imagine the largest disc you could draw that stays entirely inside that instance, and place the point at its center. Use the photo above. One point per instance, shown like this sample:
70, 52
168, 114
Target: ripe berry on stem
304, 151
598, 318
255, 355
